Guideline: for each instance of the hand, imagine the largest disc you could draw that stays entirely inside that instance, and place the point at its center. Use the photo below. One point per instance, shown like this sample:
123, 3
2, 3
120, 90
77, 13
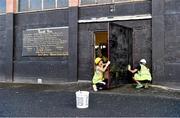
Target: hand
129, 67
108, 62
103, 83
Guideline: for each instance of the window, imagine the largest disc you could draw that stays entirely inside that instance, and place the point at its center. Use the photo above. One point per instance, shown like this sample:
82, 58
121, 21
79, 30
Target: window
49, 4
122, 0
23, 5
62, 3
33, 5
103, 1
129, 0
2, 6
88, 2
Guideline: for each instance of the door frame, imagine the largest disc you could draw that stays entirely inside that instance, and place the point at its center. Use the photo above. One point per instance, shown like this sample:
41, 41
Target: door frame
94, 41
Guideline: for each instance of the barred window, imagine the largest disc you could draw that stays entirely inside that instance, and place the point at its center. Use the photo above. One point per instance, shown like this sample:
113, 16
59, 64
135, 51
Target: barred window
23, 5
123, 0
87, 2
36, 5
49, 4
91, 2
62, 3
2, 6
103, 1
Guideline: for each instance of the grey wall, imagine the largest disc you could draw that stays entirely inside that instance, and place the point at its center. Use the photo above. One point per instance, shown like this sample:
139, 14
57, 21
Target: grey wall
142, 44
2, 47
49, 69
6, 48
172, 40
15, 67
73, 44
166, 35
142, 32
119, 9
164, 51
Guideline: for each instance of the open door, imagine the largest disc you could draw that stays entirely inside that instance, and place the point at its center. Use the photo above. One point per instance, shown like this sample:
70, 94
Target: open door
120, 53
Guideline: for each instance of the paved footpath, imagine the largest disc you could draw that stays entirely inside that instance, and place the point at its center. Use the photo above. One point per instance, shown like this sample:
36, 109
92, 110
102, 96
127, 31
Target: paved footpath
41, 101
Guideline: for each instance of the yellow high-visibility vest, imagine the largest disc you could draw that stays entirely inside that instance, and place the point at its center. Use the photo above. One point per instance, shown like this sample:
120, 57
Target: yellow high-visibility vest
98, 77
143, 74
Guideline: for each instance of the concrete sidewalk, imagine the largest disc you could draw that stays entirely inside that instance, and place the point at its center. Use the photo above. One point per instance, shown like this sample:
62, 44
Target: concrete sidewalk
153, 90
28, 100
40, 100
168, 86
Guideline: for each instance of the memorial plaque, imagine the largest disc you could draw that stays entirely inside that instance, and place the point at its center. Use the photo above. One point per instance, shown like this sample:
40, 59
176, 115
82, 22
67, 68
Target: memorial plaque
45, 42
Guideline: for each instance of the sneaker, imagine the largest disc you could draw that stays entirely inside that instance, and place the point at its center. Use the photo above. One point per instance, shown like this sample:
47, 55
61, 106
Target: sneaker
100, 88
139, 86
95, 88
146, 85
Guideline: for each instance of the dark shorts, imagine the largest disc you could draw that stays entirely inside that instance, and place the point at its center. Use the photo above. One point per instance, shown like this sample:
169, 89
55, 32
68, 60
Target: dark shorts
101, 86
145, 81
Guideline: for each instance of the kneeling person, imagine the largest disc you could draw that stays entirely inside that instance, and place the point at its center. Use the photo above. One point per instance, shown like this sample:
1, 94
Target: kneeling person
142, 74
99, 82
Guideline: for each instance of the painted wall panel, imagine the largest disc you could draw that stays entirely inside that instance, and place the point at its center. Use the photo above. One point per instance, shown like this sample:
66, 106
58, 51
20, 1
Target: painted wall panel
50, 69
2, 47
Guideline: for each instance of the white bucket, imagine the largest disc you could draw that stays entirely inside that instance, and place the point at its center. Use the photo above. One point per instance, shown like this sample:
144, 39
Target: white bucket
82, 99
39, 81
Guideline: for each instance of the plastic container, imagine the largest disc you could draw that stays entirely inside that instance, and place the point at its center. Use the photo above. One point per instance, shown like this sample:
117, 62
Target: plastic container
82, 99
39, 81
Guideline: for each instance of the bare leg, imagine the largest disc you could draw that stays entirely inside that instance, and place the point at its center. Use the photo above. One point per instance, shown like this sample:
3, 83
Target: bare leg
136, 81
139, 85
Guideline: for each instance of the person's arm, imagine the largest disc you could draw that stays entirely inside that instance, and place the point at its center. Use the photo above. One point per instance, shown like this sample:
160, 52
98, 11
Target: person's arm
104, 64
104, 69
132, 71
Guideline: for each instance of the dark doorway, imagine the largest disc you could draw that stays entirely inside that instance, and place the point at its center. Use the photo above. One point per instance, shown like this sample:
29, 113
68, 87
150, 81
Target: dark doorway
101, 43
120, 53
101, 48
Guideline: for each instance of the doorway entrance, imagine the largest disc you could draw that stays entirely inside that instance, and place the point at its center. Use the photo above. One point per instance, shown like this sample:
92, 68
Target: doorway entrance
101, 45
115, 45
101, 48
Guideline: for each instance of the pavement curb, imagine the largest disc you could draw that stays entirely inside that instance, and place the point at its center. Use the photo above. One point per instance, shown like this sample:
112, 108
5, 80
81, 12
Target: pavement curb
75, 86
165, 87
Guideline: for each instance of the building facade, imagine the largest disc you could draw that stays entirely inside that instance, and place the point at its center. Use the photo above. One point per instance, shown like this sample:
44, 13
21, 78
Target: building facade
57, 40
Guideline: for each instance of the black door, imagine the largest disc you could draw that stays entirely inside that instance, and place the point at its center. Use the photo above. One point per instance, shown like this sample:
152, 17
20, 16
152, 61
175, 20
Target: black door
120, 53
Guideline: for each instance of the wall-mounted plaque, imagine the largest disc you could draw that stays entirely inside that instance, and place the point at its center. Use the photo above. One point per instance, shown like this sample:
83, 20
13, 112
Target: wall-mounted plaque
45, 42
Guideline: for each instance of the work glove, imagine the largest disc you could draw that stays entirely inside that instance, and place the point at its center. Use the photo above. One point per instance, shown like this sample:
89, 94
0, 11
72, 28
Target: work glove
108, 62
129, 67
103, 83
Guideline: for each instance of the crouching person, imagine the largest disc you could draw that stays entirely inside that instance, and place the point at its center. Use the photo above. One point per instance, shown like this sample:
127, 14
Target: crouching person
99, 82
141, 74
